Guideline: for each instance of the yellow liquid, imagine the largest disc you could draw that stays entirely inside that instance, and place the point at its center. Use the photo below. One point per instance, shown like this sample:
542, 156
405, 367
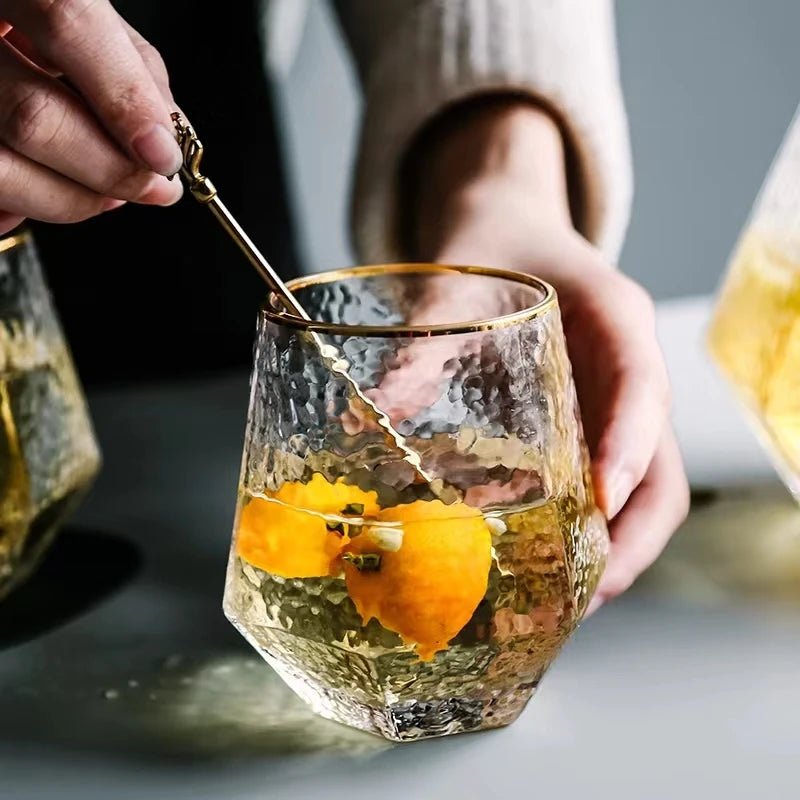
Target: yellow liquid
541, 566
47, 458
755, 339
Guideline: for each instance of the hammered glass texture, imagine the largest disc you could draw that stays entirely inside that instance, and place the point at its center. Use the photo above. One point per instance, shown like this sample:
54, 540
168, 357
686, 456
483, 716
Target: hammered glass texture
48, 453
497, 418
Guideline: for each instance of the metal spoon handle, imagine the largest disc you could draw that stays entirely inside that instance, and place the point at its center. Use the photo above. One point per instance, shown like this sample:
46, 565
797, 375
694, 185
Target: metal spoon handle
204, 191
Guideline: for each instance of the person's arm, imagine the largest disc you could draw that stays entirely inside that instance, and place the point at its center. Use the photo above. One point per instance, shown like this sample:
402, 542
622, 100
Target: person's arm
497, 155
420, 60
531, 173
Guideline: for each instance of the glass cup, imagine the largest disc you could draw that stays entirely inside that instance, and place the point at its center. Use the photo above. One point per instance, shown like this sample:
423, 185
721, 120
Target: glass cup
754, 336
48, 453
405, 607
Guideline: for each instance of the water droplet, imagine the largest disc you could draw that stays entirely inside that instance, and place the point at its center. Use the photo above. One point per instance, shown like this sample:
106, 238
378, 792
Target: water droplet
133, 684
111, 694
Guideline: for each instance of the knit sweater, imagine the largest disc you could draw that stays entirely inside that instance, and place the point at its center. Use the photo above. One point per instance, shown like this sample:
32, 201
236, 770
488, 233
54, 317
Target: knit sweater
416, 57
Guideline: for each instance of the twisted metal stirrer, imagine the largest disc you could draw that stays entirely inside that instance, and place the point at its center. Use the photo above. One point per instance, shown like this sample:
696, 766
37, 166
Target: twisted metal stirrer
203, 191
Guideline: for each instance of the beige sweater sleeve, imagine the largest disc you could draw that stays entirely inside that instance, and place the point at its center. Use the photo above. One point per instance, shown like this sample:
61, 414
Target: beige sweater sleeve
417, 56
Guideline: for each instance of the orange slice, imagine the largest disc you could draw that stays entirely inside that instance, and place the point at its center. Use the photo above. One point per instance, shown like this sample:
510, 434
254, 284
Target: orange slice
286, 535
426, 583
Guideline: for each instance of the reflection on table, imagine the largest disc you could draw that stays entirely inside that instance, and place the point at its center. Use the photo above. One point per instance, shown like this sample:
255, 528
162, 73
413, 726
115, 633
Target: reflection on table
738, 545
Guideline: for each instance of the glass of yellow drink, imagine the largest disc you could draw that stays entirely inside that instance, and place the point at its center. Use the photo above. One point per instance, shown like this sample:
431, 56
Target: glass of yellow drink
404, 605
755, 331
48, 453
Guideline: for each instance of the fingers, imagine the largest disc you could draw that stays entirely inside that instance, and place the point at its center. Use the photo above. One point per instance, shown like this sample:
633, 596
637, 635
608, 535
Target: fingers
9, 221
420, 375
424, 367
22, 44
44, 122
87, 40
416, 380
643, 528
637, 401
153, 61
28, 189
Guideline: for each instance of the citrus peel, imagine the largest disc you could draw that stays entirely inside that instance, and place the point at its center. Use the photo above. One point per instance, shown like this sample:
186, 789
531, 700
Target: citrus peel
421, 569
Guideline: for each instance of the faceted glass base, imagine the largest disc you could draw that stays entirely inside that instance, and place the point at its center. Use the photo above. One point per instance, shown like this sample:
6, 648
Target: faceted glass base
364, 675
425, 709
412, 719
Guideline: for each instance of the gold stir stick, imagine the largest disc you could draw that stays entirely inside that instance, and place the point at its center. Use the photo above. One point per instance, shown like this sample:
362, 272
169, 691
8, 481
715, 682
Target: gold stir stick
203, 191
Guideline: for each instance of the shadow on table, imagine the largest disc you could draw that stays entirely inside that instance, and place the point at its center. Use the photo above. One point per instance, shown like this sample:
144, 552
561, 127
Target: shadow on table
105, 690
81, 569
97, 691
739, 545
186, 710
232, 706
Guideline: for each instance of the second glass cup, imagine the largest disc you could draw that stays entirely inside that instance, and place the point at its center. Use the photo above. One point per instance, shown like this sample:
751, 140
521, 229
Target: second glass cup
401, 607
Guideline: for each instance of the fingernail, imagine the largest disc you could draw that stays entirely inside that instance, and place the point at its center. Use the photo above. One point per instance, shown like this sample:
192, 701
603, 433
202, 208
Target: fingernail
616, 495
594, 604
160, 192
158, 149
111, 203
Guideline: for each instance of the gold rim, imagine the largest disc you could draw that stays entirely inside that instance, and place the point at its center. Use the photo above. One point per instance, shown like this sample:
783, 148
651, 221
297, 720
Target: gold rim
544, 305
15, 240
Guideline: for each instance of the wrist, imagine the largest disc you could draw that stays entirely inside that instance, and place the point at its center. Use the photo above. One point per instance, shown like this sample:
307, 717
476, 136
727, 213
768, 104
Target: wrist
496, 160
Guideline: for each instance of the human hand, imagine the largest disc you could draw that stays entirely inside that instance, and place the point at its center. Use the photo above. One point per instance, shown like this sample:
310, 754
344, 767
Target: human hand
511, 211
71, 149
619, 374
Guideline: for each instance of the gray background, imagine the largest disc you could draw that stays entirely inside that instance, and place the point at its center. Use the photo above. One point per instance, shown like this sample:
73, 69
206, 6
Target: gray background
710, 86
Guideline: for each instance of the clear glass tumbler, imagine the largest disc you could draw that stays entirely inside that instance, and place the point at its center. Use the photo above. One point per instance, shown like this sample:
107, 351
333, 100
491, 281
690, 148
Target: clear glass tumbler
754, 336
404, 607
48, 453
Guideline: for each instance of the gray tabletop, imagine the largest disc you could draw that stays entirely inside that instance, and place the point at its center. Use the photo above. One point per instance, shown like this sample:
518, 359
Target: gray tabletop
120, 678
